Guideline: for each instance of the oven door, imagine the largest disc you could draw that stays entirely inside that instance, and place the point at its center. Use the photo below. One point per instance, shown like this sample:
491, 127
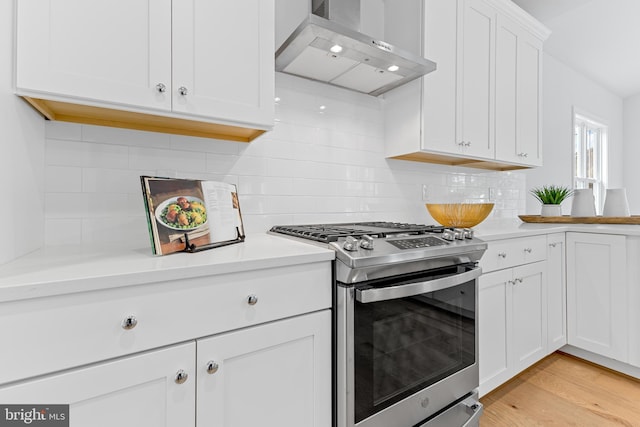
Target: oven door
415, 346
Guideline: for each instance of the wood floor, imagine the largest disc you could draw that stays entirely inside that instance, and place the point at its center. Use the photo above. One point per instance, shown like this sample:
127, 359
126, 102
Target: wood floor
562, 390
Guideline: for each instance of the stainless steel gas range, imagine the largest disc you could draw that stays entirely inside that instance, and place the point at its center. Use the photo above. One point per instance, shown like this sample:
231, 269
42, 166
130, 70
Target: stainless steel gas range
405, 322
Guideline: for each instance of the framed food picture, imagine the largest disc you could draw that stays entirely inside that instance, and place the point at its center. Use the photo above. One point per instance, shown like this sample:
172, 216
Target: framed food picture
191, 215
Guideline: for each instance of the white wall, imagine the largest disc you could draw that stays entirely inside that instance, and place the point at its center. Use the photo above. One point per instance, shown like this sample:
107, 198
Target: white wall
65, 183
563, 89
21, 157
632, 151
318, 165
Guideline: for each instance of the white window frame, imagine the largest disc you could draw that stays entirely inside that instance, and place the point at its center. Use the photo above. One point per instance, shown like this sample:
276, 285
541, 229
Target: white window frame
583, 124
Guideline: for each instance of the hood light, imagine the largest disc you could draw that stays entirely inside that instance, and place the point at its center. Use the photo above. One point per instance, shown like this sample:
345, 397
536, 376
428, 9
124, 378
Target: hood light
336, 48
393, 68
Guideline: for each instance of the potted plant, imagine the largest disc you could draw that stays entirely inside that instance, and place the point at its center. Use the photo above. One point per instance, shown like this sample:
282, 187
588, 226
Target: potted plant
551, 196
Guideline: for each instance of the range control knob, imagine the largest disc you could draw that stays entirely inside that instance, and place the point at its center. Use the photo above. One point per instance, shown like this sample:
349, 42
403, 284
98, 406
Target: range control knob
458, 233
350, 244
467, 233
448, 234
366, 242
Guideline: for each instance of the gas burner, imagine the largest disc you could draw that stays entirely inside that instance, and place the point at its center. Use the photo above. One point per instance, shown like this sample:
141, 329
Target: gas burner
327, 233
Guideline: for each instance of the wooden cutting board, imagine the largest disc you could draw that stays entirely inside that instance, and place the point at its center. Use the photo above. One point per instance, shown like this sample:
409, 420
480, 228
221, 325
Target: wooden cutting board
567, 219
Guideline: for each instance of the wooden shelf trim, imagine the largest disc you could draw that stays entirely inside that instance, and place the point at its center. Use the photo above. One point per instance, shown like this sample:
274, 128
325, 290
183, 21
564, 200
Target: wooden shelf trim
443, 159
85, 114
566, 219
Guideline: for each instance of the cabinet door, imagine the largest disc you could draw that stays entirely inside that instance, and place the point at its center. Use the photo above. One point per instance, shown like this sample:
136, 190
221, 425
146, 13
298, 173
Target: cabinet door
477, 68
138, 391
494, 323
529, 306
439, 99
116, 51
518, 89
597, 294
223, 59
529, 105
556, 292
277, 374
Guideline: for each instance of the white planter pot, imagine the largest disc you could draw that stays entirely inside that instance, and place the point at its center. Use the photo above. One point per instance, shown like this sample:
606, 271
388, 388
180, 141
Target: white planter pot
551, 210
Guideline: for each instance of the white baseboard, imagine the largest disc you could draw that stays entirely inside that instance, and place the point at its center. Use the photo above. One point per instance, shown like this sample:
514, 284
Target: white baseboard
616, 365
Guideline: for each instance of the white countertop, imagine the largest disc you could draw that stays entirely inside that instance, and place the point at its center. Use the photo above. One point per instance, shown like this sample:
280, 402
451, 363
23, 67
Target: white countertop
507, 229
68, 269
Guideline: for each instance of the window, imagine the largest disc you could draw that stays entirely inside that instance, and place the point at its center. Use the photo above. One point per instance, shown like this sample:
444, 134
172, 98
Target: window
589, 155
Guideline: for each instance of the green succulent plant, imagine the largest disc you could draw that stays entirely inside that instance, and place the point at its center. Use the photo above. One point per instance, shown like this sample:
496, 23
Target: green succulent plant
551, 194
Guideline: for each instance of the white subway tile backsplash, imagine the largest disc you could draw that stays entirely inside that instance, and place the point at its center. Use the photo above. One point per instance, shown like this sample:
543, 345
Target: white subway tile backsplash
62, 130
183, 162
63, 231
62, 179
126, 230
262, 185
102, 180
118, 136
84, 205
316, 166
204, 145
84, 154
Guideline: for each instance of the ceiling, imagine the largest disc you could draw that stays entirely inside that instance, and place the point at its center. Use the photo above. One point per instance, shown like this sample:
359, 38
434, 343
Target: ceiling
598, 38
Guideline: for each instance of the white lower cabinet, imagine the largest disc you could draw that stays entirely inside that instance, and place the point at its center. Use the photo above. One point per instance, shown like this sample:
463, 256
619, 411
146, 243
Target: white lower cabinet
277, 374
137, 391
512, 322
597, 315
494, 316
230, 350
529, 305
556, 292
273, 374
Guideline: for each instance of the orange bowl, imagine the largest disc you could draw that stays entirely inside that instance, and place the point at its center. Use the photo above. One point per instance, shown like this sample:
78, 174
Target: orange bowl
460, 215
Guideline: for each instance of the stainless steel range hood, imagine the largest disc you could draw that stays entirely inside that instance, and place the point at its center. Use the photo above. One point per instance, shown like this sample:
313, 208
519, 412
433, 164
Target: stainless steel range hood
328, 47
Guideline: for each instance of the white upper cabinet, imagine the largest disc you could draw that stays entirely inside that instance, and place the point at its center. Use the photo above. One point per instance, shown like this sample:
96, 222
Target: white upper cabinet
194, 63
223, 53
115, 51
518, 89
481, 107
475, 80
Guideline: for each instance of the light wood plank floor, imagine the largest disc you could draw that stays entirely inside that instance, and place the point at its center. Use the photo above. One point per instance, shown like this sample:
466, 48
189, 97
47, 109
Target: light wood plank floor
562, 390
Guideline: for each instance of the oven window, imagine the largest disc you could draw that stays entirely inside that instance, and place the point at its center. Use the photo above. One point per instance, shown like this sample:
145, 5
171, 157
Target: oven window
404, 345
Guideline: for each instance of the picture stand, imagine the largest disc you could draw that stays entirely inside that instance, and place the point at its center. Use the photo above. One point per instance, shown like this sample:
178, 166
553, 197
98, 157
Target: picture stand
191, 247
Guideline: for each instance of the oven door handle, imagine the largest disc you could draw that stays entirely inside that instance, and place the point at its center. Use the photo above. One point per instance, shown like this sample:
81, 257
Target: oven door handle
417, 288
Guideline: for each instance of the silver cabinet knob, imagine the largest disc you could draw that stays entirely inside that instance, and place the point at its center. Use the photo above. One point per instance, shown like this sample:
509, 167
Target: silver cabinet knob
183, 91
523, 154
461, 144
252, 299
553, 245
467, 144
527, 250
502, 254
160, 87
212, 367
129, 322
181, 377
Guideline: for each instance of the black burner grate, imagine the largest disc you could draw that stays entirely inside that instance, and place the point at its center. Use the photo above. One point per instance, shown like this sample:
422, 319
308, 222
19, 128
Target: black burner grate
332, 232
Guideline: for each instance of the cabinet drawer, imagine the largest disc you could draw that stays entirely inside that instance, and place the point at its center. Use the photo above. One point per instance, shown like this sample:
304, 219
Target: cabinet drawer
511, 252
48, 334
